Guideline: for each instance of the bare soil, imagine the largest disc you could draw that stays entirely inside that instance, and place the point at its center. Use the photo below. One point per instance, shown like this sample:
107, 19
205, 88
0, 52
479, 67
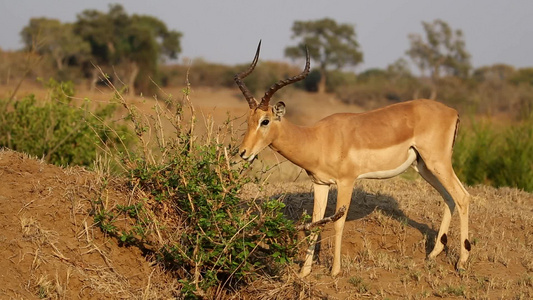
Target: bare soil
51, 249
49, 245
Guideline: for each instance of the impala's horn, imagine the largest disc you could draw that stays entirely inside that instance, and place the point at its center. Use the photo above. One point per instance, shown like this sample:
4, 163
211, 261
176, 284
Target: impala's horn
278, 85
240, 76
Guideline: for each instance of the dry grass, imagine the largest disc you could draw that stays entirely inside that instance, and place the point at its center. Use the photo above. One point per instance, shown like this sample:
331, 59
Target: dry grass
391, 227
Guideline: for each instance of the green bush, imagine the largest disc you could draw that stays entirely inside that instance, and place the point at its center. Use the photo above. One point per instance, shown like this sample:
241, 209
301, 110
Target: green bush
497, 156
55, 129
513, 165
191, 215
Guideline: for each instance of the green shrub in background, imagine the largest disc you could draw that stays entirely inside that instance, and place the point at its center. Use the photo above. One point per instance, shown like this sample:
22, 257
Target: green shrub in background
513, 164
496, 155
203, 73
57, 130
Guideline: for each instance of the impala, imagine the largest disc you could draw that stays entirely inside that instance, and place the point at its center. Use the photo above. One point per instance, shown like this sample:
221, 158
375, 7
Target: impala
344, 147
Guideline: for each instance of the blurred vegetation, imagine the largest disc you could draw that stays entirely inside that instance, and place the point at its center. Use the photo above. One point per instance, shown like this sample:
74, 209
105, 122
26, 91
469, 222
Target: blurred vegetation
496, 155
57, 129
131, 47
329, 44
442, 51
206, 74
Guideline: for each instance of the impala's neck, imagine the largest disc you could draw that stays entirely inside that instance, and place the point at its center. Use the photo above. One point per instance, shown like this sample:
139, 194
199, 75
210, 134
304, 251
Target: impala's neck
294, 143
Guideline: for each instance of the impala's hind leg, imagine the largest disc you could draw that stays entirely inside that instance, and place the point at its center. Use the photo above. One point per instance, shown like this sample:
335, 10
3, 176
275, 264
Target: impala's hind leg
442, 177
442, 236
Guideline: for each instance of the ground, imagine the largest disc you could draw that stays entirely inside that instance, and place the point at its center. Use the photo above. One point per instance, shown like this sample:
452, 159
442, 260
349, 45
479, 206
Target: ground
51, 248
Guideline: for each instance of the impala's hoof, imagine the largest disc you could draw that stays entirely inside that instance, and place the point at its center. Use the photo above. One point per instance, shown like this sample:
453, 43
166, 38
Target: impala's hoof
431, 257
460, 271
460, 268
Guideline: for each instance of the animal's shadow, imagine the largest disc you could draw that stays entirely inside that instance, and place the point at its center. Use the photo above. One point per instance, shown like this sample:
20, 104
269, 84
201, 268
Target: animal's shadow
362, 204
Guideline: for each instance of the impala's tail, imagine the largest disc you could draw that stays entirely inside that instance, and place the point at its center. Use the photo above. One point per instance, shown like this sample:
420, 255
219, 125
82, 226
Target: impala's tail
456, 131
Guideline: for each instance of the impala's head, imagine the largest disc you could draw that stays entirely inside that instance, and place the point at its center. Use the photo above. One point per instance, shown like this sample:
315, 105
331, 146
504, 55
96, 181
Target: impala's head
263, 119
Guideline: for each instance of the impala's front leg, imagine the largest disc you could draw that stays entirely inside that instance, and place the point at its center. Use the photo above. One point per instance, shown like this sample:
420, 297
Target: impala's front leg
343, 199
319, 209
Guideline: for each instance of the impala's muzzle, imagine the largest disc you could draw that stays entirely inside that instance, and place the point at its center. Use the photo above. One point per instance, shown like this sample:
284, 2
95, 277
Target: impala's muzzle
244, 156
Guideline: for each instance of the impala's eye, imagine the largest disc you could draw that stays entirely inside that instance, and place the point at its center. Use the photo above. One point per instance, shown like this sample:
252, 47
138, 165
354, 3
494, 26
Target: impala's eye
265, 122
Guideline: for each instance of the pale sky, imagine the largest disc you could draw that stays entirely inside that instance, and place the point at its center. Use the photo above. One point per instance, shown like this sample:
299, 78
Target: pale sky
496, 31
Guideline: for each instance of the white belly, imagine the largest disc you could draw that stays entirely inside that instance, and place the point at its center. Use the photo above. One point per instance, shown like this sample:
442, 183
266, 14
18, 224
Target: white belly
382, 174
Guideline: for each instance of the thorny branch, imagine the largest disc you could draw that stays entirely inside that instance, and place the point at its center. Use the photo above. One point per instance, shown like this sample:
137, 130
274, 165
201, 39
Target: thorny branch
324, 221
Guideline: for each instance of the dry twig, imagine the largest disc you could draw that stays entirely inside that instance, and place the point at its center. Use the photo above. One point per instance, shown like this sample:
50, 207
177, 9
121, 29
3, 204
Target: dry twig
324, 221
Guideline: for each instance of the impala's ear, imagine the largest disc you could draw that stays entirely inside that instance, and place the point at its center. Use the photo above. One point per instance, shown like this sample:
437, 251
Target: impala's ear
279, 110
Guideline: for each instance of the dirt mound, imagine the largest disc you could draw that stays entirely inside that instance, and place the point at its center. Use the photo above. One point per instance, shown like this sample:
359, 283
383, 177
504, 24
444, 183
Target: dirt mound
49, 245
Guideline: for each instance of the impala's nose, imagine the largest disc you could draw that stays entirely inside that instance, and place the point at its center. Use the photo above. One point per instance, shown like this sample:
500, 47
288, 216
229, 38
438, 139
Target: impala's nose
247, 156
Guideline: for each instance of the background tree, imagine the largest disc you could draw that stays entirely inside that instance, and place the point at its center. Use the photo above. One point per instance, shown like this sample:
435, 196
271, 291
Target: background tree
330, 44
148, 41
443, 50
399, 70
51, 37
135, 43
101, 31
